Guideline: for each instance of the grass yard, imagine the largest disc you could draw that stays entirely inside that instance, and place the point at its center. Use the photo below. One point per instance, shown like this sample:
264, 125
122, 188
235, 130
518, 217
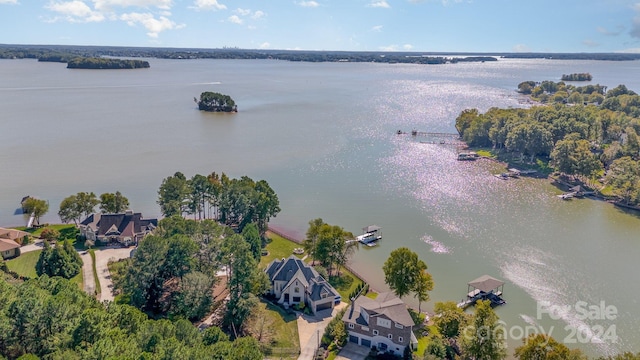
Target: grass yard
278, 248
25, 265
285, 327
345, 284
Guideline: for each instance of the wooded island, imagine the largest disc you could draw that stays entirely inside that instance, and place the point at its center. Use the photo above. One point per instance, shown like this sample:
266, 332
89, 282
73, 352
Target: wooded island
105, 63
216, 102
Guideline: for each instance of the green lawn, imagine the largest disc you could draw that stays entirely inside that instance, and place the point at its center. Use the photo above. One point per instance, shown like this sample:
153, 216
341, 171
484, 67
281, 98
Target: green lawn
278, 248
345, 284
285, 327
25, 265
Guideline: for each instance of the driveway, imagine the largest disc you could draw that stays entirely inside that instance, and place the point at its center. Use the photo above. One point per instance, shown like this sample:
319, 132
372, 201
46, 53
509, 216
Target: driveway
311, 328
352, 351
37, 245
87, 273
103, 256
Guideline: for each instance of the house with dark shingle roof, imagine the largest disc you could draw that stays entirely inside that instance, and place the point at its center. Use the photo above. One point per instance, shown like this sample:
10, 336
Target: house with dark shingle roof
125, 228
383, 323
294, 282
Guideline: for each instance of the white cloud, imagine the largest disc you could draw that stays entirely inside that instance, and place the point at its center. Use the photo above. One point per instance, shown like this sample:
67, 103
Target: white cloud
590, 43
264, 45
521, 48
389, 48
235, 19
75, 11
379, 4
208, 5
407, 46
8, 1
243, 12
377, 28
154, 26
604, 31
308, 4
258, 14
107, 5
631, 50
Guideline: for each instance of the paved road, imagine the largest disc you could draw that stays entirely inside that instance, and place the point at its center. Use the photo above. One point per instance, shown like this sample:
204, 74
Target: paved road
87, 273
103, 256
312, 327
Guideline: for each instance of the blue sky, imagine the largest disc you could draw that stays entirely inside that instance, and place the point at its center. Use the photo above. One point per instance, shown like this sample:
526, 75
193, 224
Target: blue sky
401, 25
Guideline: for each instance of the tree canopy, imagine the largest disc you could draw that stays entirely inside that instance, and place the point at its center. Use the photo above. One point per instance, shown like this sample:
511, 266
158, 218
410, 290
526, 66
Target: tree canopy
35, 207
213, 101
404, 273
111, 203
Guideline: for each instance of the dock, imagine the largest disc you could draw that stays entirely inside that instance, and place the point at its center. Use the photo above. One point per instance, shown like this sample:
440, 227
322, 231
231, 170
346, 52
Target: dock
484, 288
438, 138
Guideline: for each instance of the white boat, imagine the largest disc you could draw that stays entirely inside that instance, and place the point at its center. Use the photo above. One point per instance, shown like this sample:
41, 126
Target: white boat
370, 235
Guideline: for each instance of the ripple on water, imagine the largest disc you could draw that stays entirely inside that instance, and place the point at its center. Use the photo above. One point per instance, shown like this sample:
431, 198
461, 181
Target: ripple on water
436, 246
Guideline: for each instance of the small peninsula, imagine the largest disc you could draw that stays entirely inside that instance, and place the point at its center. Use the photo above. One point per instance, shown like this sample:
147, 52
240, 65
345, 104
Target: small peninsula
105, 63
216, 102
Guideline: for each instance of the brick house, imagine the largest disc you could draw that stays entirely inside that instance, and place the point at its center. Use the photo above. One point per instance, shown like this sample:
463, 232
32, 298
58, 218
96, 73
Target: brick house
125, 228
383, 323
294, 282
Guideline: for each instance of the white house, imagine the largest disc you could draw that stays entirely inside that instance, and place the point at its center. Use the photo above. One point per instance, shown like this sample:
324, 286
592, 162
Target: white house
294, 282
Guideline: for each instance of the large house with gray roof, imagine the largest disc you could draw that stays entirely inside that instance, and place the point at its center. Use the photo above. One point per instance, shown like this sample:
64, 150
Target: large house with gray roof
383, 323
294, 282
125, 228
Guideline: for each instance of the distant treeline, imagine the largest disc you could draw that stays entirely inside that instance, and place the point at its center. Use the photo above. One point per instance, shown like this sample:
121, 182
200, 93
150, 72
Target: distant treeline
105, 63
575, 56
577, 77
39, 51
66, 53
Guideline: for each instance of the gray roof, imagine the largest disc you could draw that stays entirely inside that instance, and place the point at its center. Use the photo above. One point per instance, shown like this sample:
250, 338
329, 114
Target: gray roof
285, 269
486, 283
371, 228
385, 304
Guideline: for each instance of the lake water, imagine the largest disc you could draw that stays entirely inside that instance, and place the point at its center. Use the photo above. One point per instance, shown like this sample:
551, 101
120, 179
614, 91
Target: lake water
323, 136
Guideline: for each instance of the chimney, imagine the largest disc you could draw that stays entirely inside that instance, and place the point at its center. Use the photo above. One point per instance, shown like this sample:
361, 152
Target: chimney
128, 212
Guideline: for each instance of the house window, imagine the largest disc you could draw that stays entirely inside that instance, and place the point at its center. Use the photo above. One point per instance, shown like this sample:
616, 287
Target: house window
390, 336
351, 326
375, 332
384, 323
297, 289
399, 326
364, 328
400, 339
324, 295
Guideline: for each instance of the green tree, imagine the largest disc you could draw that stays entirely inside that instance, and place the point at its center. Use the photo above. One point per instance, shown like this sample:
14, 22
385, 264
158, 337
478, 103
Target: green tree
331, 246
111, 203
200, 190
193, 300
449, 319
252, 237
423, 285
86, 203
436, 349
69, 210
35, 207
544, 347
214, 334
484, 338
213, 101
50, 234
172, 194
62, 260
313, 231
624, 178
403, 271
